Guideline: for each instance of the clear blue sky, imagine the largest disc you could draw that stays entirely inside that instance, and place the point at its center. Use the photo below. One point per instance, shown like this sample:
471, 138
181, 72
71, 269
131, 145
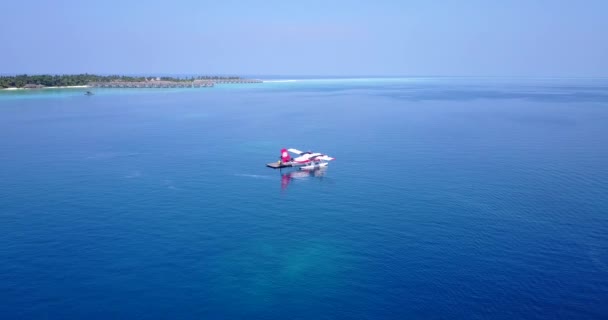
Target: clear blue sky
313, 37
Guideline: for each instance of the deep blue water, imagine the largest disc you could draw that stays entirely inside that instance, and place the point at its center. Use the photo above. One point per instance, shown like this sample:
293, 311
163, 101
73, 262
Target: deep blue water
451, 198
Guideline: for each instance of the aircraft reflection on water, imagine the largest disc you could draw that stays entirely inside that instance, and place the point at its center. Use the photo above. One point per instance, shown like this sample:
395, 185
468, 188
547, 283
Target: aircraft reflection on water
288, 177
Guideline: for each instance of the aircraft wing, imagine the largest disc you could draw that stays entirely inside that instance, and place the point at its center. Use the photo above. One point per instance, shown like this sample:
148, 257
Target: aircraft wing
304, 156
325, 158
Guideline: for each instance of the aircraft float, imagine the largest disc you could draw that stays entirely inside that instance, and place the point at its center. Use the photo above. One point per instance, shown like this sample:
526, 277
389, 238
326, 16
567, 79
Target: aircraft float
304, 161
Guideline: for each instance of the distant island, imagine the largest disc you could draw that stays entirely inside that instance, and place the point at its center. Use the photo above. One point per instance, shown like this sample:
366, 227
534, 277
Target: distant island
114, 81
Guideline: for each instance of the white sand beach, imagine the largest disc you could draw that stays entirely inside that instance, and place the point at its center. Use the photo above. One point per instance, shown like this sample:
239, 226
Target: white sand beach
67, 87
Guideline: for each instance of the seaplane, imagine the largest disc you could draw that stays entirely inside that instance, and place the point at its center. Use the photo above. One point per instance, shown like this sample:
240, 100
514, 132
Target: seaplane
305, 160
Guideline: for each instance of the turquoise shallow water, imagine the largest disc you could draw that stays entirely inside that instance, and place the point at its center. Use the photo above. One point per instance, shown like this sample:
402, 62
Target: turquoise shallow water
450, 198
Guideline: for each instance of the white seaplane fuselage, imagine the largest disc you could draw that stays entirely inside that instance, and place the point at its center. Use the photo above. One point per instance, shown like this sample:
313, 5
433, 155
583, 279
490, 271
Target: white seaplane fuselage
309, 160
313, 166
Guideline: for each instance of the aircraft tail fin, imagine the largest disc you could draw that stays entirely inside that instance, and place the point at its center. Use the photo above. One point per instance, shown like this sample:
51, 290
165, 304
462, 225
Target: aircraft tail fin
285, 157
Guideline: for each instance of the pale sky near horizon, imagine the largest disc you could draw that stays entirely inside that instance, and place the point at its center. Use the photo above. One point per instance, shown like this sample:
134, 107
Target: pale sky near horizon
344, 38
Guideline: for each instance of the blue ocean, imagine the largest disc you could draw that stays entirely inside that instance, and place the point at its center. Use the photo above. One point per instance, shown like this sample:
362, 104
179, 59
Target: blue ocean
450, 198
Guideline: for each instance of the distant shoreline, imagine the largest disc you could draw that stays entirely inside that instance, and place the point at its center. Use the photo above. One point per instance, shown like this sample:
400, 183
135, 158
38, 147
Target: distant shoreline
47, 81
53, 87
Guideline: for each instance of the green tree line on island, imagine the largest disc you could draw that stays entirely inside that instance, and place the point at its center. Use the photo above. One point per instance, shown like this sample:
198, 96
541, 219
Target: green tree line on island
47, 80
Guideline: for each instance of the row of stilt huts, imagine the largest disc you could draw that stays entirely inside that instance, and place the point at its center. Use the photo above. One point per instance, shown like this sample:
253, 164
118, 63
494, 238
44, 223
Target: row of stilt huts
169, 84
